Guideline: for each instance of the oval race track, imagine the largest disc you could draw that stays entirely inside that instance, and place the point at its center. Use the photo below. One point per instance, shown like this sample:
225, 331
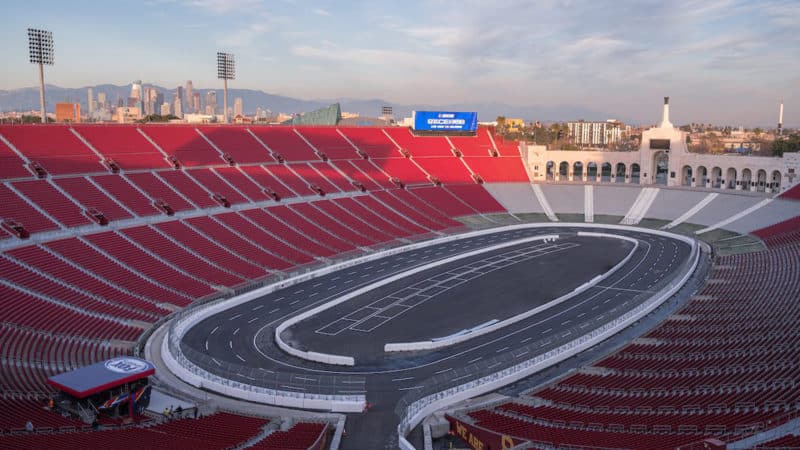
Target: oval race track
239, 344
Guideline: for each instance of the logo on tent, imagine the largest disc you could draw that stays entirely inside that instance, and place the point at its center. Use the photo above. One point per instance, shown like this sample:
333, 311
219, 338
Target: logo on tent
126, 365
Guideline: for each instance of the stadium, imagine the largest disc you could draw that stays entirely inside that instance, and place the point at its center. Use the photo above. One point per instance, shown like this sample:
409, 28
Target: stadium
315, 287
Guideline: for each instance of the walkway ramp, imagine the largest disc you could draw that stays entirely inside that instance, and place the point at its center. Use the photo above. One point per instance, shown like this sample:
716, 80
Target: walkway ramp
692, 211
588, 203
640, 207
548, 211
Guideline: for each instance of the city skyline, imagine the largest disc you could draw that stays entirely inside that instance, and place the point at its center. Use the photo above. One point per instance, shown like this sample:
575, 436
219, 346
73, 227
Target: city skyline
726, 61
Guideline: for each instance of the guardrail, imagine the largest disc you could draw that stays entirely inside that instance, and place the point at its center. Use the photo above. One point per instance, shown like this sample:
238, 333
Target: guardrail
349, 360
435, 344
440, 391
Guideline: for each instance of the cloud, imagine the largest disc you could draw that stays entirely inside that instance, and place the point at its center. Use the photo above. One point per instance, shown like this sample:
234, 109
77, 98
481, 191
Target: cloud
320, 12
244, 37
225, 6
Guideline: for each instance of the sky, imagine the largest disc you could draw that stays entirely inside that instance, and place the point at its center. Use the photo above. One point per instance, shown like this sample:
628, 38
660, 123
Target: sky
720, 61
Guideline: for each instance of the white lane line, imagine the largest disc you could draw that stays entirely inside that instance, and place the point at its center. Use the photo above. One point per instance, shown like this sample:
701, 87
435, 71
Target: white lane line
206, 344
443, 371
235, 317
274, 311
474, 360
252, 320
547, 331
317, 285
299, 291
278, 299
256, 308
501, 350
521, 354
294, 302
306, 379
311, 295
525, 340
235, 331
332, 288
240, 358
335, 278
214, 330
230, 344
565, 322
402, 379
409, 388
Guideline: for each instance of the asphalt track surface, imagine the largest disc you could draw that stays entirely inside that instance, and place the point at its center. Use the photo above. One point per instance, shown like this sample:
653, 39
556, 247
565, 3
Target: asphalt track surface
243, 336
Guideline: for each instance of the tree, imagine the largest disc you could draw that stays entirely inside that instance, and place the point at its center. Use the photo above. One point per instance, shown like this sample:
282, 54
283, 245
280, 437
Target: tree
501, 124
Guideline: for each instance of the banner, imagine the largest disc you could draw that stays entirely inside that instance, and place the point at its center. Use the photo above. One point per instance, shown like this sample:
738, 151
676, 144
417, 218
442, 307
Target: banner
478, 438
445, 121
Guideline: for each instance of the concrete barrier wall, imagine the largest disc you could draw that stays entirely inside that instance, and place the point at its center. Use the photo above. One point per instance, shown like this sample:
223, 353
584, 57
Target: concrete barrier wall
185, 369
446, 342
426, 406
348, 360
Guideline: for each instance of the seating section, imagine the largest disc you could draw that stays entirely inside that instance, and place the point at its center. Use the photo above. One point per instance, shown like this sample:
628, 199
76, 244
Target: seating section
90, 197
476, 197
479, 145
328, 141
420, 146
498, 170
123, 144
126, 194
184, 143
782, 233
286, 143
15, 208
789, 441
87, 292
300, 436
723, 366
11, 165
238, 143
220, 430
792, 194
445, 169
51, 200
372, 141
54, 148
443, 200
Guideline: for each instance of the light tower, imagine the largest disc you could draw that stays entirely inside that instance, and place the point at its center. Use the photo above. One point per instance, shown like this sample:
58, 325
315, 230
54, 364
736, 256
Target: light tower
780, 119
40, 44
226, 70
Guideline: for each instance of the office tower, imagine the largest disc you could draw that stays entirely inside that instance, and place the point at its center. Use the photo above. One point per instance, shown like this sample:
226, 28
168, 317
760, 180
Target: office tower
196, 102
211, 102
179, 93
178, 109
90, 101
189, 97
101, 99
136, 90
238, 107
165, 109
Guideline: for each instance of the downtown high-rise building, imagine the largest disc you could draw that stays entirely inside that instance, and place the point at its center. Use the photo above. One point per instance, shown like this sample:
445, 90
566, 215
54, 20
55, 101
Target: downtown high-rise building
178, 108
101, 99
90, 101
189, 97
179, 93
196, 102
211, 102
238, 108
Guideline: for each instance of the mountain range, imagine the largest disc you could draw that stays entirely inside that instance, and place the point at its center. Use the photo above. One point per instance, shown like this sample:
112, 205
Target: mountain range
25, 99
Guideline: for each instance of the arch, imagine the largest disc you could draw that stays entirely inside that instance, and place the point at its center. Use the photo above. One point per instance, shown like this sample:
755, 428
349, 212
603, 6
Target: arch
620, 171
605, 172
686, 176
660, 168
701, 175
591, 171
549, 171
761, 180
775, 181
731, 178
563, 171
716, 177
746, 179
636, 173
577, 171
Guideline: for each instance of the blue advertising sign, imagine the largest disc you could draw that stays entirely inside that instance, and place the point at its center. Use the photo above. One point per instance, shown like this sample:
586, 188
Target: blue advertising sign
445, 121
